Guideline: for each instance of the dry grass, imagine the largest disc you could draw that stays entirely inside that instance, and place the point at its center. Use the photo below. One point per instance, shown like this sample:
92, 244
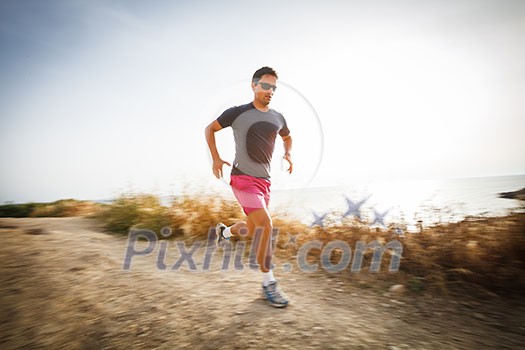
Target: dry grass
65, 208
134, 211
60, 208
189, 218
486, 253
192, 217
479, 254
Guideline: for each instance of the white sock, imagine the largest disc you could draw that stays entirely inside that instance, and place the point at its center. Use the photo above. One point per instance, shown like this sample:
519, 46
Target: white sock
227, 233
267, 278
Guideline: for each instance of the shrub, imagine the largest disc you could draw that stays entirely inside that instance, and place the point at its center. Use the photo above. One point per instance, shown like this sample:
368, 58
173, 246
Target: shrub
192, 217
17, 210
139, 211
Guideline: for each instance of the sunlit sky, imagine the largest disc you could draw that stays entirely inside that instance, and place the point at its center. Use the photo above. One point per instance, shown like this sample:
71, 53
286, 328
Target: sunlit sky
102, 97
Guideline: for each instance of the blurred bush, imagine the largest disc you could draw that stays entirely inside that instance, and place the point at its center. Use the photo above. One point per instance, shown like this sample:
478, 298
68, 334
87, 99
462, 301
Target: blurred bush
17, 210
138, 211
188, 217
65, 208
477, 252
193, 216
60, 208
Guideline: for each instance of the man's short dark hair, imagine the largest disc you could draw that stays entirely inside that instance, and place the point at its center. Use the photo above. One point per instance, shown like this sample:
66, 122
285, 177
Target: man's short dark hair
263, 71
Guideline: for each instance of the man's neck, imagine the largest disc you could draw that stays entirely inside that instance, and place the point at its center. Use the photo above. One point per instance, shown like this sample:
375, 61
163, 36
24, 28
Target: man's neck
261, 107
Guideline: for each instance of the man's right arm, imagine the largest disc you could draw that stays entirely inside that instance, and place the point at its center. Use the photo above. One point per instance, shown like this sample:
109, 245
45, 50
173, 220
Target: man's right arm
210, 139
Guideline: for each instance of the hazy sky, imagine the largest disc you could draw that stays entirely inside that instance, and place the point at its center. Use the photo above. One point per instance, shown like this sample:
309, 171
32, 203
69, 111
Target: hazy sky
99, 97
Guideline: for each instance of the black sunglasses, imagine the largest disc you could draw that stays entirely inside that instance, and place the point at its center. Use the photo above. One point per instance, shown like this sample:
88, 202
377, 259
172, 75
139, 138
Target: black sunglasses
267, 86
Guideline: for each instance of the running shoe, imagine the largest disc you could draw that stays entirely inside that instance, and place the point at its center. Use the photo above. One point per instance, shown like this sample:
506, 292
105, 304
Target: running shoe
274, 295
219, 237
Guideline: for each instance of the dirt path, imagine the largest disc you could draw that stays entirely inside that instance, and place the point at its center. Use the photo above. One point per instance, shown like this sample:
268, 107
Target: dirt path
62, 287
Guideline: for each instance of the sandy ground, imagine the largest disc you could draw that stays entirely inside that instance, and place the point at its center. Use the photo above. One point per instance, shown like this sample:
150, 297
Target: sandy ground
62, 287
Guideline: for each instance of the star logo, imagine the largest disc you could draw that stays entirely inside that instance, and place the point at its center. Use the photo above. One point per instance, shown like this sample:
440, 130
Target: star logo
354, 208
318, 219
399, 232
292, 239
379, 217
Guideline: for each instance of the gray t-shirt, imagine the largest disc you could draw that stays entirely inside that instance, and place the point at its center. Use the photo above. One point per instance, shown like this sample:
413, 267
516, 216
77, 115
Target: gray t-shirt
254, 133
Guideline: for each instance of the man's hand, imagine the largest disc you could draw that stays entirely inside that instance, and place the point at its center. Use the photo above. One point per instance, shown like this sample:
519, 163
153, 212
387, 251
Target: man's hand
217, 167
287, 141
288, 158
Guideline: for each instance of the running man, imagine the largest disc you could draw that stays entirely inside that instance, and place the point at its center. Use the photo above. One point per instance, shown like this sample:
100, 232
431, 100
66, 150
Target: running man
255, 128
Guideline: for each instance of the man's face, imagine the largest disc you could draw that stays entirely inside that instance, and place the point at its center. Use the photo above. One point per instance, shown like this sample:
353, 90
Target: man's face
262, 95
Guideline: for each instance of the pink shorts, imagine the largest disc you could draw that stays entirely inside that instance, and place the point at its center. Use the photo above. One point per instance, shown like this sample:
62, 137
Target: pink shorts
252, 193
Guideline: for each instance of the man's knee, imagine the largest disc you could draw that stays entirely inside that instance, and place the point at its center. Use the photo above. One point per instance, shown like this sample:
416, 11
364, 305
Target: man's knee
260, 225
261, 218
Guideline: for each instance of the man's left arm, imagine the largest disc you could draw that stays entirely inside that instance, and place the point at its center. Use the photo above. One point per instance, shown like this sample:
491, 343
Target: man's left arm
287, 141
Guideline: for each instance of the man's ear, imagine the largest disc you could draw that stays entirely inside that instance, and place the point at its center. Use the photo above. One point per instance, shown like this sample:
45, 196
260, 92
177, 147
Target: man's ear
253, 86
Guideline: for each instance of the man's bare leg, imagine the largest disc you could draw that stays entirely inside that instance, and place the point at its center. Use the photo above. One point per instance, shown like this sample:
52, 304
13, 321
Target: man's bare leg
260, 222
247, 229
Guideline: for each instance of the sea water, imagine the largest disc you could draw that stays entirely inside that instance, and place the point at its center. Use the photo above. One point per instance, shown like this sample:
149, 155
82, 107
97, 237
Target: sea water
409, 201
